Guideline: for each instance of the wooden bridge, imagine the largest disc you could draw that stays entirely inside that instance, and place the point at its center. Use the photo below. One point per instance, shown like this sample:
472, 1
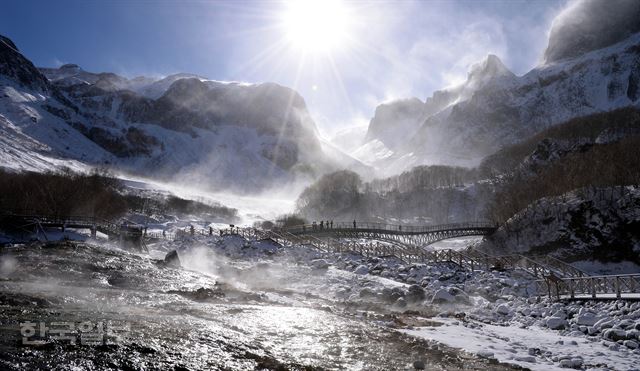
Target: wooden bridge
129, 234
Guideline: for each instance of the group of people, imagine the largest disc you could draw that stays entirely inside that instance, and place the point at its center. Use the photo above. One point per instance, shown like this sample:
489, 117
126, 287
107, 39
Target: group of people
324, 224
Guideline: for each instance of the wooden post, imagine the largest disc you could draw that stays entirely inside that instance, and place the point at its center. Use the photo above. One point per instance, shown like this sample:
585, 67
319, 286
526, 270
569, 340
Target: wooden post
618, 287
571, 289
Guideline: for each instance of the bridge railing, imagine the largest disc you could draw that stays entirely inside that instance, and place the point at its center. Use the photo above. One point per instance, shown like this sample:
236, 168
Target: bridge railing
590, 287
396, 228
562, 268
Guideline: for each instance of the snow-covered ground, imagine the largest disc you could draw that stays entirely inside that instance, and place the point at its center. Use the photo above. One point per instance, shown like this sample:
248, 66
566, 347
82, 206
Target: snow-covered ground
457, 243
535, 348
489, 314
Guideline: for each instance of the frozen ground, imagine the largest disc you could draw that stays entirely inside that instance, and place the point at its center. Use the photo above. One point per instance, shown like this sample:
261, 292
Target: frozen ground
490, 314
494, 316
458, 243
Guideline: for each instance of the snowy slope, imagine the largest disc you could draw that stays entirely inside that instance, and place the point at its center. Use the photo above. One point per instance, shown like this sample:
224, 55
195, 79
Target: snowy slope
396, 121
507, 109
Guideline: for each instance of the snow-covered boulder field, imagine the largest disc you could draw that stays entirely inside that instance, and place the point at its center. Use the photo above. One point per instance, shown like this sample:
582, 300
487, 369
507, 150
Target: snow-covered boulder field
490, 314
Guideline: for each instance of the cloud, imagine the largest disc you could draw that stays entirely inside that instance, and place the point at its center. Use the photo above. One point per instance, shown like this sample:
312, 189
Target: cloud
57, 62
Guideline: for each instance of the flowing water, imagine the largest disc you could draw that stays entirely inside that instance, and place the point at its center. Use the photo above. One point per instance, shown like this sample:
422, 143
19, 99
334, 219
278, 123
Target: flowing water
165, 318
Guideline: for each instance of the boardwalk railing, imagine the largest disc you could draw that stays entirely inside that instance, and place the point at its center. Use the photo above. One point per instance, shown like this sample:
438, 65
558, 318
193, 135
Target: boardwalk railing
383, 227
556, 278
75, 221
591, 287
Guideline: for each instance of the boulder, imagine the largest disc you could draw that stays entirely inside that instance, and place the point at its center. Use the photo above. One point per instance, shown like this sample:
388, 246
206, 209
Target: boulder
571, 363
633, 334
172, 259
529, 359
362, 270
503, 309
587, 319
604, 323
556, 323
442, 296
320, 264
615, 334
631, 344
415, 294
459, 295
391, 295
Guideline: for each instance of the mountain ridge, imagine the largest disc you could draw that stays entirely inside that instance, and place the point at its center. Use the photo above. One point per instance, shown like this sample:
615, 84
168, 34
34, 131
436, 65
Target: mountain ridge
238, 136
509, 108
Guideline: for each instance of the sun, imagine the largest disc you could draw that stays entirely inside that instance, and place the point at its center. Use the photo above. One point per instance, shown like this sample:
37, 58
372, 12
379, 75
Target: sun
316, 25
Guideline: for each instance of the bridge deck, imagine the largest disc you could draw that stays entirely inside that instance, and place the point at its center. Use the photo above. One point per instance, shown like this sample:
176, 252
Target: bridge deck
339, 227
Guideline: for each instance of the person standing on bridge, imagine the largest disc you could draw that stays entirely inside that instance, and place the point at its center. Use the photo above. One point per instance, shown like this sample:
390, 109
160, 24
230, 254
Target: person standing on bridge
164, 234
192, 230
304, 228
313, 226
400, 228
321, 224
354, 224
210, 231
332, 224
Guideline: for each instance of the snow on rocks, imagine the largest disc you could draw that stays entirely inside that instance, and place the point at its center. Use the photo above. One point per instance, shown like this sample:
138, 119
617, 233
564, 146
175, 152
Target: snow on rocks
615, 334
503, 309
586, 318
497, 315
556, 323
571, 363
362, 270
442, 296
319, 264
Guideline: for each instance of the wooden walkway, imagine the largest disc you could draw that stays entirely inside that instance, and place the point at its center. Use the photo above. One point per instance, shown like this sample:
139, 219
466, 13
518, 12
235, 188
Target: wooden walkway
129, 234
556, 279
609, 287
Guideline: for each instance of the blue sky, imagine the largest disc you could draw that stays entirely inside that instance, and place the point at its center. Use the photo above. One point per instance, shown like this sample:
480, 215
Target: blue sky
387, 50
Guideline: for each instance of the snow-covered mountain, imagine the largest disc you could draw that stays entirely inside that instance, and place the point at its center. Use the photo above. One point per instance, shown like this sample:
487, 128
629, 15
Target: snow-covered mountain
183, 127
398, 120
585, 72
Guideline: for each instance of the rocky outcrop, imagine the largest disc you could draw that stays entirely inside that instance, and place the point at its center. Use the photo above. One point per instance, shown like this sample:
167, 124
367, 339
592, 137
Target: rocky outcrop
398, 120
14, 66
